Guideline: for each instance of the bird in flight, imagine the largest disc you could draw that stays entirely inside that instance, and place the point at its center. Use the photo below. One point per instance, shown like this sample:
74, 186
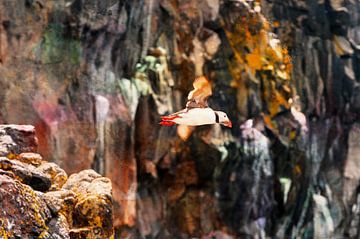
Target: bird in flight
197, 111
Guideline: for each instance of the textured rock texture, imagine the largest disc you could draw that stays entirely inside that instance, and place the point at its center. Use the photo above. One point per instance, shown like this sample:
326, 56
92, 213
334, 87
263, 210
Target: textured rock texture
94, 76
323, 39
39, 201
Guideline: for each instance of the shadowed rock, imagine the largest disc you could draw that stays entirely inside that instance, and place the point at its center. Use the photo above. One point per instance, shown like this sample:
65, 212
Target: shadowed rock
26, 173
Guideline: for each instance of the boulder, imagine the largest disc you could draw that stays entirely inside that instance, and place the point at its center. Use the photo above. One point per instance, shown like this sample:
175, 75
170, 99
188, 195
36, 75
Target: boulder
93, 209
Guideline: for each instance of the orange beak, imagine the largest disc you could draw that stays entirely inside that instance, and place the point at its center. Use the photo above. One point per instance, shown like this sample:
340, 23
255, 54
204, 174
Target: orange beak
228, 124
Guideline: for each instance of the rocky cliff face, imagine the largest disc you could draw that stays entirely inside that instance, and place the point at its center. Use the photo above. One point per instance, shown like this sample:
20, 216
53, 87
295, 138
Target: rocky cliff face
38, 200
323, 38
94, 76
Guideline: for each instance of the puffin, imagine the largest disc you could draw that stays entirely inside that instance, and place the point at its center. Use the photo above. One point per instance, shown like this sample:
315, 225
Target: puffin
197, 111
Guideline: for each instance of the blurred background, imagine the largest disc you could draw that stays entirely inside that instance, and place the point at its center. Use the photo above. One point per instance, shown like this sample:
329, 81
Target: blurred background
94, 77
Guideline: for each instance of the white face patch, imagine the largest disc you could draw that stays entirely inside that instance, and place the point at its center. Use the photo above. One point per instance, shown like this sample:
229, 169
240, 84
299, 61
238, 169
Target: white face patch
222, 117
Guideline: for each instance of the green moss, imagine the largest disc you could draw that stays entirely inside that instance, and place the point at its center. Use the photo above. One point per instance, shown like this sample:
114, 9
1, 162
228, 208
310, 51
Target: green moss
56, 47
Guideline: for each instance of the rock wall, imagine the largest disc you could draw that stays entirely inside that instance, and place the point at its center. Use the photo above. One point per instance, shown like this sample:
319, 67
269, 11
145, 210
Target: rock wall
94, 76
323, 39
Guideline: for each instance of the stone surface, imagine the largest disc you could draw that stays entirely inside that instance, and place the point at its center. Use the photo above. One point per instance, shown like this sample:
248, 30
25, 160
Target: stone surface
93, 208
23, 214
27, 174
30, 158
61, 201
16, 139
320, 36
57, 175
34, 204
58, 228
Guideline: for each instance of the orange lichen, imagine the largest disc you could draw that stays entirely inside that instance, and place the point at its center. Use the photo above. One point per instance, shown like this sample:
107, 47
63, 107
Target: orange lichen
4, 233
260, 58
292, 134
297, 169
92, 208
29, 158
27, 203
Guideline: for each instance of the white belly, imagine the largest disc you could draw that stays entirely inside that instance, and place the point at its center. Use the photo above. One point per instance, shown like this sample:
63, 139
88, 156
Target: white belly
196, 116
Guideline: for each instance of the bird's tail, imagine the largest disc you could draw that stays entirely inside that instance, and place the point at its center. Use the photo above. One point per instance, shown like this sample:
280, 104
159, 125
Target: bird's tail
168, 120
170, 117
166, 123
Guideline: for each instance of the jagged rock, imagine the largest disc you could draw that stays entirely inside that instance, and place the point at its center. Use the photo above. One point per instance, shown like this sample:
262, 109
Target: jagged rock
323, 222
352, 167
27, 174
87, 232
323, 169
58, 228
243, 183
7, 173
93, 207
62, 201
342, 46
30, 158
354, 222
16, 139
30, 169
23, 213
57, 175
54, 212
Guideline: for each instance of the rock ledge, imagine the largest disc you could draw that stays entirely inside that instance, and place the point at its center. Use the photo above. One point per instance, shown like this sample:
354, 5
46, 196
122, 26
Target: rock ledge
38, 200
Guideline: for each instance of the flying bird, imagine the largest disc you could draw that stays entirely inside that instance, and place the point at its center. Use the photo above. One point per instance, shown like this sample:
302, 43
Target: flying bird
197, 111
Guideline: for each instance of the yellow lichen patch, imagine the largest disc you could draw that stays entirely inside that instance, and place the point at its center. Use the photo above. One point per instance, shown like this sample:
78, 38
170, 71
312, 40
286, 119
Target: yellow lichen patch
90, 206
297, 169
269, 123
29, 158
12, 156
292, 134
275, 101
93, 207
89, 233
4, 233
35, 209
258, 58
67, 210
28, 212
254, 61
57, 175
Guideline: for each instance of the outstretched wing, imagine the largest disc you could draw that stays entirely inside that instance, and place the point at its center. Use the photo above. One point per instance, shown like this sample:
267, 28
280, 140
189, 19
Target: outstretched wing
197, 98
